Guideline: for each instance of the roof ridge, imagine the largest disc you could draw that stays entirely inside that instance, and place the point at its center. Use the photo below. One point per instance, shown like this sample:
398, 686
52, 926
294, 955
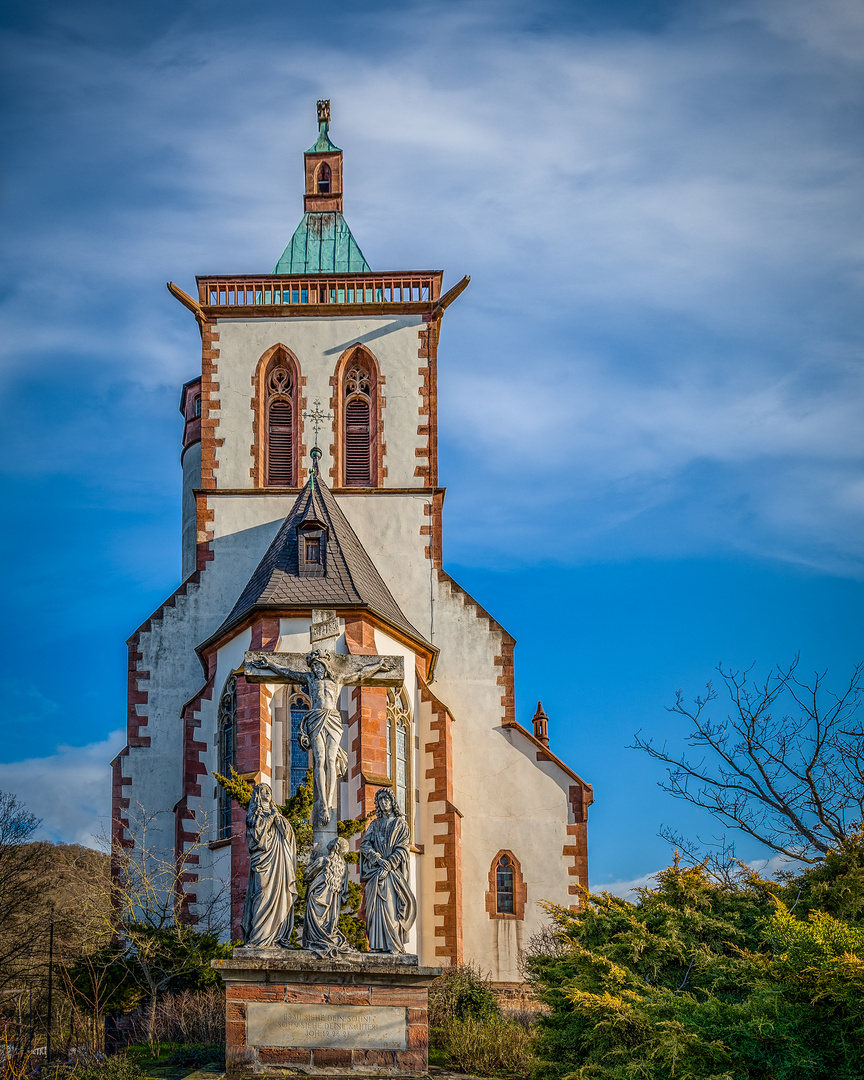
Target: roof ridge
338, 509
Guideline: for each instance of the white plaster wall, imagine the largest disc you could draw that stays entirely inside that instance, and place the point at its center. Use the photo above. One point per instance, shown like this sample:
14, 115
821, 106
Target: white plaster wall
427, 875
508, 802
318, 344
508, 798
388, 527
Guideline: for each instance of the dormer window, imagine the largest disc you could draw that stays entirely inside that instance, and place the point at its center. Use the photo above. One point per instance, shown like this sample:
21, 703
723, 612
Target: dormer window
324, 176
311, 546
196, 406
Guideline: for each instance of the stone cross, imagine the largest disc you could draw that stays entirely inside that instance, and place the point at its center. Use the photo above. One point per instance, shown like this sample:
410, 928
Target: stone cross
322, 674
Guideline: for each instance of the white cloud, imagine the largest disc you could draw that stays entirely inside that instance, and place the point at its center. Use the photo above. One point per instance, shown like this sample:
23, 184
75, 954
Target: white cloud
663, 265
766, 868
627, 890
70, 790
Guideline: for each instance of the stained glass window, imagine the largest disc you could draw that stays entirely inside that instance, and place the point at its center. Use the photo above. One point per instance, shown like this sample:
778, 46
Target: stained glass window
299, 756
504, 886
399, 737
227, 719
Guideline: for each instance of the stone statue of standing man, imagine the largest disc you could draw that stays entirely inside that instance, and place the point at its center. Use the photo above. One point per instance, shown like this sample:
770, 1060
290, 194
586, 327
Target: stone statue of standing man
384, 868
321, 727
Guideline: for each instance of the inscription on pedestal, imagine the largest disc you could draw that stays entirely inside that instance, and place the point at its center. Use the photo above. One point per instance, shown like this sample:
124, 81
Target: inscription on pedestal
367, 1027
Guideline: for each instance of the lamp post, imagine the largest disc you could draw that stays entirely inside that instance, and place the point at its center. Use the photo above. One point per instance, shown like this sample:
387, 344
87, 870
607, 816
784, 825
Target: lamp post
50, 985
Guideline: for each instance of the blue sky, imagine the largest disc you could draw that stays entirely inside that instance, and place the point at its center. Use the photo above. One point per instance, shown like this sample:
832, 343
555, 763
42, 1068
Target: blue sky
650, 394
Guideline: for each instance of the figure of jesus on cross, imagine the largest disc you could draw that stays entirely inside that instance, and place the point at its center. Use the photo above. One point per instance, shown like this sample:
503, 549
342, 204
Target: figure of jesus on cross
323, 674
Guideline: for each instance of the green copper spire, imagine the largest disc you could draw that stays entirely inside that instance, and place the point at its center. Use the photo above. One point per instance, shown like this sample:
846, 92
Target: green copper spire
322, 243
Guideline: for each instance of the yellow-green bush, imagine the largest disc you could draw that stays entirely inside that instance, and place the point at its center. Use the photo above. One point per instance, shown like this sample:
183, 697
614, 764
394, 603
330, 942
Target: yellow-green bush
489, 1046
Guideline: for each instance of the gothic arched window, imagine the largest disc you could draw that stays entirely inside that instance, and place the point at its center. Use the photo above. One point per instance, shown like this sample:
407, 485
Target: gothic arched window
298, 706
504, 886
227, 741
508, 892
280, 427
399, 749
324, 175
359, 428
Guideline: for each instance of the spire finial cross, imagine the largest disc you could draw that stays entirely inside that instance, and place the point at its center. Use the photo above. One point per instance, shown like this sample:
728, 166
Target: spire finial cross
324, 112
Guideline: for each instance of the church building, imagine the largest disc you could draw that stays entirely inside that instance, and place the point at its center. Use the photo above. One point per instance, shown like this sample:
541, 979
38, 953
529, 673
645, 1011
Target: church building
312, 518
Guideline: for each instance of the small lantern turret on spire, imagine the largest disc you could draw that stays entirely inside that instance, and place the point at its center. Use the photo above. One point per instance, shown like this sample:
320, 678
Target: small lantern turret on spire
541, 725
323, 169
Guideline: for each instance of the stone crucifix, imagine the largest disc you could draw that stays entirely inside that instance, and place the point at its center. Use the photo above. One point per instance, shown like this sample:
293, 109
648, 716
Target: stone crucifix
323, 674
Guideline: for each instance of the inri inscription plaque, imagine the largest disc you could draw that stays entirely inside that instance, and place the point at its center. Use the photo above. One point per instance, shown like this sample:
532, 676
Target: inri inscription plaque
367, 1027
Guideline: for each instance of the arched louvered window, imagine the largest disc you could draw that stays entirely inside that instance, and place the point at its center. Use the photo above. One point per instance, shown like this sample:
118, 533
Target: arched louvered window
324, 175
358, 428
227, 732
280, 428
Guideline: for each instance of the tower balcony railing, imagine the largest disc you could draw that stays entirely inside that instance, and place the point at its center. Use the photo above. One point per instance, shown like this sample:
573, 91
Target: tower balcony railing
337, 290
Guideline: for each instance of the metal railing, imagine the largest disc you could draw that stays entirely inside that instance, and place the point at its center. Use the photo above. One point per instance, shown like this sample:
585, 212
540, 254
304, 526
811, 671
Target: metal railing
336, 289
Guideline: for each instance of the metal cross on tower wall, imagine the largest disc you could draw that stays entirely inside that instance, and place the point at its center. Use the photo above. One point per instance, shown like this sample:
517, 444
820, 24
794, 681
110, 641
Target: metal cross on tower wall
316, 417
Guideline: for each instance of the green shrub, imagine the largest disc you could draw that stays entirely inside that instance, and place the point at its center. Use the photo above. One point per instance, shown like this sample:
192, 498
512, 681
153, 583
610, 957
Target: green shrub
489, 1046
117, 1067
461, 993
197, 1054
703, 979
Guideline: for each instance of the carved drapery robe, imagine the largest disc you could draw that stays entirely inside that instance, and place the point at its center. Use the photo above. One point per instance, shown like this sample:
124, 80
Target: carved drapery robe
268, 915
390, 905
319, 723
326, 893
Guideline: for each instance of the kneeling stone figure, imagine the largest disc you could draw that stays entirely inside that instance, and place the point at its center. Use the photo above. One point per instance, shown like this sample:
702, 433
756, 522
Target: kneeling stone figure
326, 893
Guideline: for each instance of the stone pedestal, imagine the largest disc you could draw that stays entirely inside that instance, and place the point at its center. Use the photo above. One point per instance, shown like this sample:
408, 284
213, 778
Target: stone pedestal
288, 1012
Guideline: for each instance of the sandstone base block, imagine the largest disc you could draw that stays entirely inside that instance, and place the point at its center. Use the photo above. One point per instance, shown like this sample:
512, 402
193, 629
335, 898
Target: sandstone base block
289, 1013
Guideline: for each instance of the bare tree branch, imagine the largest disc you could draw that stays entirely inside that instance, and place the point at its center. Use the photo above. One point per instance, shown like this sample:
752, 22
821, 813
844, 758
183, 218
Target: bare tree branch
792, 780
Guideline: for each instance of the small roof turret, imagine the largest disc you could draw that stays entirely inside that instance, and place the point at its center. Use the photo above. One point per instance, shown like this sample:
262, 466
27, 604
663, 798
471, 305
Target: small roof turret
541, 725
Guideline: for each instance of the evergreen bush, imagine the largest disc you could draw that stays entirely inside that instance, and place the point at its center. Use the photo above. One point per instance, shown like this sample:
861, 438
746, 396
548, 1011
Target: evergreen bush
708, 980
460, 993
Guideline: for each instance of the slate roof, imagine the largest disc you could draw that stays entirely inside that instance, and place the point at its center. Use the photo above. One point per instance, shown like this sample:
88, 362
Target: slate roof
322, 244
350, 577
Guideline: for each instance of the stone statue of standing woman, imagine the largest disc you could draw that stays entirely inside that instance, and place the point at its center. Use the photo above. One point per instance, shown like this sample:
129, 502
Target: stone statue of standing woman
268, 915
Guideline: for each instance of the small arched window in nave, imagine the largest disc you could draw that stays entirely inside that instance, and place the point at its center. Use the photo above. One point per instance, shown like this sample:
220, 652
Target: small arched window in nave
399, 749
227, 741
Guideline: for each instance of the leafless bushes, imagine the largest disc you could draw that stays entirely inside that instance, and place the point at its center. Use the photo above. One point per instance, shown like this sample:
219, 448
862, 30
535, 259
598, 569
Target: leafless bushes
192, 1017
